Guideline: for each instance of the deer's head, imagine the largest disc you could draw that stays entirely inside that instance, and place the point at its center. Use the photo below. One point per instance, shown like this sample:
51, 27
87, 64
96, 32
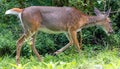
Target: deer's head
105, 21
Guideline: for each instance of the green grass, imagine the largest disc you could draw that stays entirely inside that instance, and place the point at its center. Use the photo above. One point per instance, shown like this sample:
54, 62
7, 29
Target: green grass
87, 59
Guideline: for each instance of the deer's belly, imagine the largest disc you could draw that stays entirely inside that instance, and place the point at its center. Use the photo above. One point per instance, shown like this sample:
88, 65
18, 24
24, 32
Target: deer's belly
47, 30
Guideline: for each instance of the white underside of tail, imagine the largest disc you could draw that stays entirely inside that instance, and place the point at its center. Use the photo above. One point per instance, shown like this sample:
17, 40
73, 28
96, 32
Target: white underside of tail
12, 12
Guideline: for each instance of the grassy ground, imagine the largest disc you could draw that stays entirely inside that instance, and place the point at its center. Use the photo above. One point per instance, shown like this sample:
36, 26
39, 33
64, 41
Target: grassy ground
87, 59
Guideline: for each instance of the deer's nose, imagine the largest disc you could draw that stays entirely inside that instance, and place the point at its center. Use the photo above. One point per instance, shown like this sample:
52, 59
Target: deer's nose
110, 32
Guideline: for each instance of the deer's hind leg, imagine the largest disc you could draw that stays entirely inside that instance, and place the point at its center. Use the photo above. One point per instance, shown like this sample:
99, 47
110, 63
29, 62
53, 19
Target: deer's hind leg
33, 47
20, 42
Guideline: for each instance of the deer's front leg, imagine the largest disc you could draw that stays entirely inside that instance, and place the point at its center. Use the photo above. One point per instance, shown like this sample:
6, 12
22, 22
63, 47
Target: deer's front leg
34, 49
63, 48
18, 49
66, 46
80, 38
74, 37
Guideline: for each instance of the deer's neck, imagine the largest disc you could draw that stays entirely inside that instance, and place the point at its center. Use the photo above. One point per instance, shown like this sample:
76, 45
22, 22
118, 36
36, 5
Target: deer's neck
93, 20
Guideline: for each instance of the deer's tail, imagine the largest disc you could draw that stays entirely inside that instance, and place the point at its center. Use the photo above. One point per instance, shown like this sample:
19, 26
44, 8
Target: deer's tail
14, 11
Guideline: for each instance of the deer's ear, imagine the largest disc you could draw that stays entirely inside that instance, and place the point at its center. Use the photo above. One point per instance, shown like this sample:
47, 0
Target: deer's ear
108, 12
97, 12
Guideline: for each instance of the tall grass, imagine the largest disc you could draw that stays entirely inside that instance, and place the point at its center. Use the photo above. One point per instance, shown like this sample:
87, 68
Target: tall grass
87, 59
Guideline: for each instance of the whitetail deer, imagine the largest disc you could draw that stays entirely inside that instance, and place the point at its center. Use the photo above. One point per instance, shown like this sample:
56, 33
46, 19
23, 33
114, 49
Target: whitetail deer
66, 20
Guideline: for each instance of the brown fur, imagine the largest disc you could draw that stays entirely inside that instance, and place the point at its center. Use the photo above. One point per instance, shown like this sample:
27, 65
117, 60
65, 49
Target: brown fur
17, 10
56, 19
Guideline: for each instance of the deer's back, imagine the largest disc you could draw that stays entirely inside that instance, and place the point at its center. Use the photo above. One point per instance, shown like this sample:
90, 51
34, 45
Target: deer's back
55, 18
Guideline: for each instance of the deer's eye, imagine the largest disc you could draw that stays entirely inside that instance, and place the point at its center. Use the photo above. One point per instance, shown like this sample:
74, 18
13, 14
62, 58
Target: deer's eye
110, 22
